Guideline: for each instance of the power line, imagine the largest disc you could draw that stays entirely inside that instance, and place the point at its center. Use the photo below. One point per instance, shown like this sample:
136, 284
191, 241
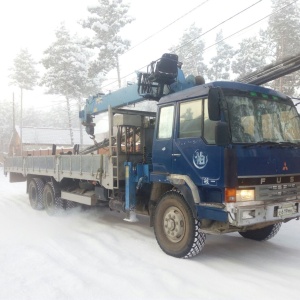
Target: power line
235, 33
226, 20
219, 24
227, 36
211, 29
249, 25
157, 32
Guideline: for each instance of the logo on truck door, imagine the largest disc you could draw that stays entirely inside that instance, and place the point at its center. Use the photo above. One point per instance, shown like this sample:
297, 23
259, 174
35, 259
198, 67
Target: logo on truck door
200, 159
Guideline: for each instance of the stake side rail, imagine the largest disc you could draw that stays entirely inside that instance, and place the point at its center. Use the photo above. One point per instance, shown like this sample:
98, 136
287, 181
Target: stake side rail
84, 167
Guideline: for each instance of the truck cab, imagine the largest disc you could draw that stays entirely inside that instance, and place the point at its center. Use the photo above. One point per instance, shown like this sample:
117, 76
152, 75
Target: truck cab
232, 150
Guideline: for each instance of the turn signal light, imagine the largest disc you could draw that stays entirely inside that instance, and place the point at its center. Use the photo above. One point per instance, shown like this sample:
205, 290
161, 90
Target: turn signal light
230, 195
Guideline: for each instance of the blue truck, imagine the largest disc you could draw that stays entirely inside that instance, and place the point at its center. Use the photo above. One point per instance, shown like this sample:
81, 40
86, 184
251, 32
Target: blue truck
215, 158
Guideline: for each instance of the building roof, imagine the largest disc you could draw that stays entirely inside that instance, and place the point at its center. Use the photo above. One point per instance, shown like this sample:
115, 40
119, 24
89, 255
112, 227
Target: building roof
49, 136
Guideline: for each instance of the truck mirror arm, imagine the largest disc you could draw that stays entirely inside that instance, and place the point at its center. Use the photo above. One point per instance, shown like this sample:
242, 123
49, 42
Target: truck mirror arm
222, 134
215, 97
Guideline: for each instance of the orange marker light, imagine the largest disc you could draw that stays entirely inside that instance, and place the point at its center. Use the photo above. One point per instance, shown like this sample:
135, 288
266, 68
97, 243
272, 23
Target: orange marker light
230, 195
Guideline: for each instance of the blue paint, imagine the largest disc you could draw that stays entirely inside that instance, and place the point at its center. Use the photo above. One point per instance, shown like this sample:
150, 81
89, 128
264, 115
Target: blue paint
130, 199
134, 179
100, 103
266, 160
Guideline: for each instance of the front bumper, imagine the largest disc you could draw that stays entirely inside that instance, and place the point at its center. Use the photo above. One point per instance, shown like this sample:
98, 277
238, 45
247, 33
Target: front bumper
249, 213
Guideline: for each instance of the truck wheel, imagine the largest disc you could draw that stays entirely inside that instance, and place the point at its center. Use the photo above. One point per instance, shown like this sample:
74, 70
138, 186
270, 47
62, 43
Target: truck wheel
71, 204
53, 203
261, 234
35, 193
176, 230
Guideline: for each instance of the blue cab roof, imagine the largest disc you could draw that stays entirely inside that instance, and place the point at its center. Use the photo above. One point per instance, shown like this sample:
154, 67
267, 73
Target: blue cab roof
202, 90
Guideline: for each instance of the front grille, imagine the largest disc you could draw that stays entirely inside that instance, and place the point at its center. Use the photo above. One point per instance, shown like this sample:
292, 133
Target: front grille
279, 192
273, 187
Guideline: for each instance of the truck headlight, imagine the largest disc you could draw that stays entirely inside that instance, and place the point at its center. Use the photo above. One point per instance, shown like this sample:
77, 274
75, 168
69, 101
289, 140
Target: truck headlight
245, 195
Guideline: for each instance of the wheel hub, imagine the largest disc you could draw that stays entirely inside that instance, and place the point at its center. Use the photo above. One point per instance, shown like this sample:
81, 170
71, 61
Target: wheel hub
33, 194
49, 199
174, 224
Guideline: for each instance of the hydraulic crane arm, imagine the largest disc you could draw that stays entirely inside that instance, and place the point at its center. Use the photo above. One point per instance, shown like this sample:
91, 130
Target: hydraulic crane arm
100, 102
273, 71
163, 76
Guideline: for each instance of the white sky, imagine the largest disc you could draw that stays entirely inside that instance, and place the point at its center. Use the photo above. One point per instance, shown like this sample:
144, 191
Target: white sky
31, 24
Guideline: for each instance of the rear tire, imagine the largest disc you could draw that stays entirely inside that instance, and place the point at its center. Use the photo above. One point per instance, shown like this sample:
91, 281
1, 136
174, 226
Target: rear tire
53, 203
176, 230
262, 234
35, 193
71, 204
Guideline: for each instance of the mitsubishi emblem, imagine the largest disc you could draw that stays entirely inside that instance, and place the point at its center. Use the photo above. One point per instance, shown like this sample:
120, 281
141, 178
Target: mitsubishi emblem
285, 168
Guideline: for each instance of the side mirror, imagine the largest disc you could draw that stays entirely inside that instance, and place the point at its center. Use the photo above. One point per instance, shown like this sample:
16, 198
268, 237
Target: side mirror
222, 134
214, 104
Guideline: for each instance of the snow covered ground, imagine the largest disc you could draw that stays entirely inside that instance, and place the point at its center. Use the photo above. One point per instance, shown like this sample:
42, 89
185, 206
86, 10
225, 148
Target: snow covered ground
96, 255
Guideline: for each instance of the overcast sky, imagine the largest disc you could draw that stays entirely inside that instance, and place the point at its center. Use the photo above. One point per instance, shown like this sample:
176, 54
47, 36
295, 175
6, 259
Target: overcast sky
31, 24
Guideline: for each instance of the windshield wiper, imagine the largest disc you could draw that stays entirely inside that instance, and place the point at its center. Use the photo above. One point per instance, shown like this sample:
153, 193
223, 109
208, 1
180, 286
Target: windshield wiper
290, 144
274, 144
263, 143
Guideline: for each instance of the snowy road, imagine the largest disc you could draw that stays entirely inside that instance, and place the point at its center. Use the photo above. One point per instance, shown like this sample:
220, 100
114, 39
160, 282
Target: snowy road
96, 255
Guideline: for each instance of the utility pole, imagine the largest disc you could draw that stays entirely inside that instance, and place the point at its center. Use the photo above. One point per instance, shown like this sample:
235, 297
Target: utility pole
11, 145
14, 122
70, 121
118, 72
21, 123
80, 126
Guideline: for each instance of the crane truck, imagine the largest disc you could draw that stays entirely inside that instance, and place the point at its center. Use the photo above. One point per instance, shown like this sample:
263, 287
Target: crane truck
215, 158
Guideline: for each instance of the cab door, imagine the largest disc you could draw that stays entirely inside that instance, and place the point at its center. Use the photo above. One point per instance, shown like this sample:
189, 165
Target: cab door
163, 141
194, 152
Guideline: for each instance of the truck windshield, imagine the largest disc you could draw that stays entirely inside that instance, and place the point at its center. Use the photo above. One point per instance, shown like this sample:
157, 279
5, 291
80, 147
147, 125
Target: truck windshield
262, 118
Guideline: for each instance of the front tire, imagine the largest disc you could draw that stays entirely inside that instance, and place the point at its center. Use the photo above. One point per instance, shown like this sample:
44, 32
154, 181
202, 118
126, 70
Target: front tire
35, 193
262, 234
53, 203
176, 230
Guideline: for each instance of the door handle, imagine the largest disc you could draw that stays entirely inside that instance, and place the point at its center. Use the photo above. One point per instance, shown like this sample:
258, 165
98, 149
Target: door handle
176, 154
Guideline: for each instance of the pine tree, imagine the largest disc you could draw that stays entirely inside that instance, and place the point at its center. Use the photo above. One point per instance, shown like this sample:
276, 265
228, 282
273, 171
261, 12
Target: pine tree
54, 116
190, 51
221, 63
25, 76
23, 73
6, 126
251, 55
67, 63
284, 37
67, 70
105, 20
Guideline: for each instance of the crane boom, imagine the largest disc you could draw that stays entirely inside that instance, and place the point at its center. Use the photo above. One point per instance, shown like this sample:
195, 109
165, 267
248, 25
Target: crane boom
163, 76
273, 71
